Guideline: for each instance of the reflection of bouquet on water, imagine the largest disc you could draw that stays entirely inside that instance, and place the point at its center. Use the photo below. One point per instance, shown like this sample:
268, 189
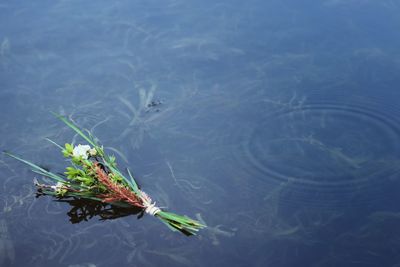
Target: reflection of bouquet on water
85, 209
94, 176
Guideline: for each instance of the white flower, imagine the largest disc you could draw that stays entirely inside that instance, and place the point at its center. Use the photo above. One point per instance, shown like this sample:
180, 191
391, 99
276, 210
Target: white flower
92, 152
81, 150
58, 186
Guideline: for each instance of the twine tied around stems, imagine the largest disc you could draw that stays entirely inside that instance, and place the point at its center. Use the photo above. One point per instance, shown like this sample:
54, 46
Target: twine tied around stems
152, 209
149, 207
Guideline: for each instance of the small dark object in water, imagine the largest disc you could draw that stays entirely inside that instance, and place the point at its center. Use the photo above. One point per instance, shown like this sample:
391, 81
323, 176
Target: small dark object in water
154, 103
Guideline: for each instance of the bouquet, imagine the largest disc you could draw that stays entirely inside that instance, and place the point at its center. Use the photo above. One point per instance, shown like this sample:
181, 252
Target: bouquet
94, 176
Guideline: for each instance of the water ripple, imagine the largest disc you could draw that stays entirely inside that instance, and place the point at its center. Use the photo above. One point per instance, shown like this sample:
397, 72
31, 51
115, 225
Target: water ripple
327, 153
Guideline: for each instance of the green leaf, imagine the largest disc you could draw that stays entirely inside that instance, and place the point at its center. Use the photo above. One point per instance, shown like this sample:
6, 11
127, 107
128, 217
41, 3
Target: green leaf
69, 148
77, 160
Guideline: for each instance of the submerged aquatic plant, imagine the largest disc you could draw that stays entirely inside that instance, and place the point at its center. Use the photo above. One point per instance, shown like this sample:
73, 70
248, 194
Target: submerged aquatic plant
93, 175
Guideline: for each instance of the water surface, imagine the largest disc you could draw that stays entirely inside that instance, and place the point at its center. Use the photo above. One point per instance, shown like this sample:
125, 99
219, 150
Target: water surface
278, 125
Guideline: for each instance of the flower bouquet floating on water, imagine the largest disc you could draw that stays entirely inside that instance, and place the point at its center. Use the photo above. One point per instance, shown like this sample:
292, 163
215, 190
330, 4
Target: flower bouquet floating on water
93, 175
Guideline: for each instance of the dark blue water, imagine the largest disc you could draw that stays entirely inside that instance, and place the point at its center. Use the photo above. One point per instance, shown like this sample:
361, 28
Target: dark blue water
278, 126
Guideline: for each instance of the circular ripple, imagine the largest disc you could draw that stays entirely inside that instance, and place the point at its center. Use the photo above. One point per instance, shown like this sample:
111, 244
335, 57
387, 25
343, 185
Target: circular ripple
326, 153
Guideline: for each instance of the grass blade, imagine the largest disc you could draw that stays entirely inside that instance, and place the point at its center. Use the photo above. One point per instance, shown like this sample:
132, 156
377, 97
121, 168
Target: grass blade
54, 143
133, 182
76, 129
36, 168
